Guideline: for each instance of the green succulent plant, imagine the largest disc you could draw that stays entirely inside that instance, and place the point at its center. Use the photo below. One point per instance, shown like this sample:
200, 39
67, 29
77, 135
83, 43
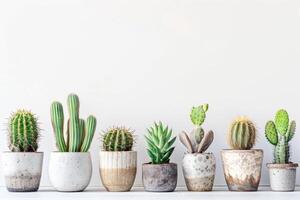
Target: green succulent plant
159, 140
118, 139
79, 132
23, 132
279, 133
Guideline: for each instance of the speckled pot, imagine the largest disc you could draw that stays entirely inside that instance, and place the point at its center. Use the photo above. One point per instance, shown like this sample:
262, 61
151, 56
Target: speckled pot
199, 171
282, 176
70, 171
159, 177
242, 169
22, 170
117, 170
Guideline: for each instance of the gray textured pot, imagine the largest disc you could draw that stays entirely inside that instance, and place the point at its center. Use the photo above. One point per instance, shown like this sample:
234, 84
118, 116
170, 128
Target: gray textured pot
199, 171
282, 176
22, 170
159, 177
70, 171
242, 169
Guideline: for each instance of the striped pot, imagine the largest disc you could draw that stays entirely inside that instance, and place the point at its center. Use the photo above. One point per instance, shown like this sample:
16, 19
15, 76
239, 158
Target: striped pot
118, 170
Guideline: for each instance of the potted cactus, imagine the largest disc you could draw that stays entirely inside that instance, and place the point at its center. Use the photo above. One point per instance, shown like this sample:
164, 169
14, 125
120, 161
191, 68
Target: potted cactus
159, 175
22, 167
279, 133
198, 167
242, 164
117, 160
70, 168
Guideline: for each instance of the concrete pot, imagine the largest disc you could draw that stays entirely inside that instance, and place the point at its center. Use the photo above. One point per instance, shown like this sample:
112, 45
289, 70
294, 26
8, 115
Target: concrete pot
199, 171
159, 177
242, 169
118, 170
70, 171
282, 176
22, 170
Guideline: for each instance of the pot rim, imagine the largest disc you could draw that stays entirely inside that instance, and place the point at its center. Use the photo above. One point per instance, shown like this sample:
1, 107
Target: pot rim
205, 153
290, 165
20, 152
116, 151
240, 151
163, 164
69, 153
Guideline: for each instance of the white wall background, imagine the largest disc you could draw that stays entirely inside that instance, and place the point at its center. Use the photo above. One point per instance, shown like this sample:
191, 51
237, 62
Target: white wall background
136, 61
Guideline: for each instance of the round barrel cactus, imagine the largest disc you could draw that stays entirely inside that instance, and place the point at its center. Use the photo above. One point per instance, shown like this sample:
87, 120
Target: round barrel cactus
118, 139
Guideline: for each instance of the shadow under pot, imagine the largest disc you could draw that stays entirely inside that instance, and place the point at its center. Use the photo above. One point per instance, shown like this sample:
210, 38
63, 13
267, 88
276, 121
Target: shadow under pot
118, 170
70, 171
159, 177
22, 170
282, 176
242, 169
199, 171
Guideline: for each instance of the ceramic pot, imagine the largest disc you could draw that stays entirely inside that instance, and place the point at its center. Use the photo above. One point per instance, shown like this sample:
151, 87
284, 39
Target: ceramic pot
199, 171
159, 177
22, 170
117, 170
242, 169
282, 176
70, 171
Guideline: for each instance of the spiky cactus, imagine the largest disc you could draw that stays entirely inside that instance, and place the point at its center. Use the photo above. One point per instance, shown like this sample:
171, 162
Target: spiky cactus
242, 134
159, 140
197, 141
279, 133
23, 132
118, 139
79, 133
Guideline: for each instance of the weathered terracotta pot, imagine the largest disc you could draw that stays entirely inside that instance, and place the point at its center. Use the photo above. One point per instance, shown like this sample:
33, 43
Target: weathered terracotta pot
118, 170
159, 177
282, 176
22, 170
199, 171
242, 169
70, 171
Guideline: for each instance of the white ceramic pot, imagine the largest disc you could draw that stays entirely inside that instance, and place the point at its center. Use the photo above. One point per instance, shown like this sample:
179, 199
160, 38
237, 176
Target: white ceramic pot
118, 169
70, 171
282, 176
22, 170
199, 171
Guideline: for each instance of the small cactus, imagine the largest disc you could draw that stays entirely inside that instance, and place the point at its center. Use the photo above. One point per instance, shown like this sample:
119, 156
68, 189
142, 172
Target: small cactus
118, 139
23, 132
242, 134
279, 132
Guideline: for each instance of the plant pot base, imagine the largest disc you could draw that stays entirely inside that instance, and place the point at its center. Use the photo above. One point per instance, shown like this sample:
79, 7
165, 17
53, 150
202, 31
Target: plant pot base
22, 183
199, 184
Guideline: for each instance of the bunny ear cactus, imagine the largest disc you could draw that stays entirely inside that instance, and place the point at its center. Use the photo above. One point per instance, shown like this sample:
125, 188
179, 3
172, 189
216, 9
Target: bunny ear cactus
23, 132
160, 141
279, 132
79, 132
197, 141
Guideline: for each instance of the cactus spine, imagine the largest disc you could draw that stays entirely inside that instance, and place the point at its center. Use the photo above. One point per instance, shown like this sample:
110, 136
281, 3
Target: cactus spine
79, 133
242, 134
279, 132
118, 139
23, 132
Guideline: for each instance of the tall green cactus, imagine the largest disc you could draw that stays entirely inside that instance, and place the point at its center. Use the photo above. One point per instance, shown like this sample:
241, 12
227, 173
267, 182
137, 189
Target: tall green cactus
23, 132
279, 132
118, 139
79, 133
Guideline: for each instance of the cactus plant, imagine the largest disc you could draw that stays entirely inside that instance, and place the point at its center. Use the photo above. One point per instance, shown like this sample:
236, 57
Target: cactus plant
197, 141
118, 139
79, 133
279, 133
159, 140
23, 132
242, 134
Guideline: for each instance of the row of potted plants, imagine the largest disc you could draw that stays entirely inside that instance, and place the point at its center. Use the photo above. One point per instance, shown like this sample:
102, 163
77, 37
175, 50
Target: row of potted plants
70, 168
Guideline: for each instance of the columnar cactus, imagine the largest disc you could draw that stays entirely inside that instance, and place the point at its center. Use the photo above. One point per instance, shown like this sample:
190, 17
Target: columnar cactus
197, 141
279, 133
118, 139
23, 132
79, 133
242, 134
